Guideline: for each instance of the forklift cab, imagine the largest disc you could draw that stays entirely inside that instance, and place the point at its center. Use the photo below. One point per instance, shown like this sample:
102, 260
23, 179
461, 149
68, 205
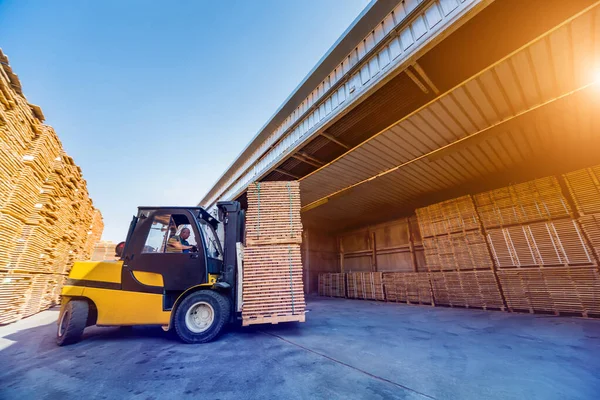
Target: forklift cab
150, 248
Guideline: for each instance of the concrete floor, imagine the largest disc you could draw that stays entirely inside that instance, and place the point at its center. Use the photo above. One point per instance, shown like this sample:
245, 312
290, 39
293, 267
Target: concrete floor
347, 349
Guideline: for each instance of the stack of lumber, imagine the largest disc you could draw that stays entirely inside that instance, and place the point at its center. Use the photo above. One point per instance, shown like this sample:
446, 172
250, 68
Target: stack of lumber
452, 236
467, 289
407, 287
557, 290
365, 285
417, 244
45, 209
537, 200
541, 244
584, 186
273, 289
531, 224
14, 290
450, 216
457, 251
458, 259
539, 248
332, 285
104, 251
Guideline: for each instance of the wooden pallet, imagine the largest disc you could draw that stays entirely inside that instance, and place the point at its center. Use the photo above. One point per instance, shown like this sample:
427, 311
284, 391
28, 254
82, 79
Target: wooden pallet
557, 290
407, 287
466, 289
556, 243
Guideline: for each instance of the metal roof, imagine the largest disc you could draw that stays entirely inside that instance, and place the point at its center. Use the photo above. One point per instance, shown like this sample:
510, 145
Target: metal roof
530, 114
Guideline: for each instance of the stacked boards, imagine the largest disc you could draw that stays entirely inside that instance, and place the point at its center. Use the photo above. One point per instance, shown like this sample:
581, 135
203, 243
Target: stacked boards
458, 259
104, 251
273, 288
532, 246
332, 285
543, 261
47, 219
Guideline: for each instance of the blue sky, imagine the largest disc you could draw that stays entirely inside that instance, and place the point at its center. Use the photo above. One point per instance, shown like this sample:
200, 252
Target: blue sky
154, 99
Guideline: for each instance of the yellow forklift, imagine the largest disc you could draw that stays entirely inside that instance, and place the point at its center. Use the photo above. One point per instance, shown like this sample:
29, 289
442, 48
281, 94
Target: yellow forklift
173, 271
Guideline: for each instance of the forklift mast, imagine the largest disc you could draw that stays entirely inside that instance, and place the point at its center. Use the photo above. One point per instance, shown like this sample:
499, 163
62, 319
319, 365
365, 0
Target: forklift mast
232, 217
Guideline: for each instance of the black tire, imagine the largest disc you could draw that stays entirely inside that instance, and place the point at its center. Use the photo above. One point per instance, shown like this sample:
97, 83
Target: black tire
72, 322
207, 299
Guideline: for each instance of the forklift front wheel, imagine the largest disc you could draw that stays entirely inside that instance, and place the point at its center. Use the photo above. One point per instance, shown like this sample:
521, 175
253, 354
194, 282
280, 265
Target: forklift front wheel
201, 316
72, 322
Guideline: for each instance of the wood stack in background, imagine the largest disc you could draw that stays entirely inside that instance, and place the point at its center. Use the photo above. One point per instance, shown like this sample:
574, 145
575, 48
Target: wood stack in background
539, 249
584, 187
458, 259
46, 216
332, 285
407, 287
104, 251
365, 285
521, 246
273, 290
392, 247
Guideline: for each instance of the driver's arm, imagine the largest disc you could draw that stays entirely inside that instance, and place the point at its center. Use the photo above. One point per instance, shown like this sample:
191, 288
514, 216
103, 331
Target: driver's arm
174, 243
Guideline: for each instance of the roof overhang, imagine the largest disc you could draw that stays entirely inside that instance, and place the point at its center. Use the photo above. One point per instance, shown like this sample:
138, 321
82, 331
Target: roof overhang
373, 13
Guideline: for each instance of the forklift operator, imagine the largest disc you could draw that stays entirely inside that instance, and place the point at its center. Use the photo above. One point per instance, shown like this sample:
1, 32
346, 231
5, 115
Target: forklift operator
179, 243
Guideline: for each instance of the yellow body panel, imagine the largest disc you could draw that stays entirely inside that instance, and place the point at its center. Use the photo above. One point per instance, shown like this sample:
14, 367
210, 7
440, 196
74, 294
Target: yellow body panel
72, 291
149, 278
103, 271
118, 307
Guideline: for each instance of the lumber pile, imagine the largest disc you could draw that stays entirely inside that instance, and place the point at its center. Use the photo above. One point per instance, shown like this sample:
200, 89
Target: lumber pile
584, 187
332, 285
452, 236
466, 289
532, 225
521, 247
365, 285
407, 287
273, 289
544, 261
458, 259
104, 251
557, 290
542, 244
46, 216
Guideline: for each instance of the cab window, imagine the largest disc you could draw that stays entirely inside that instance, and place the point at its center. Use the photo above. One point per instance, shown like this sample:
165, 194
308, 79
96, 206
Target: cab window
211, 241
165, 231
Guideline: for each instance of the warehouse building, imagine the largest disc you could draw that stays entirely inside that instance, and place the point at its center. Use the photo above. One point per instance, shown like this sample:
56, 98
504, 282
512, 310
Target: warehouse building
445, 153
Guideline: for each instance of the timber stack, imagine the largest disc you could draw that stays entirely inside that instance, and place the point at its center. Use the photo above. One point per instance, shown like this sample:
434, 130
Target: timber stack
459, 263
539, 248
47, 219
273, 289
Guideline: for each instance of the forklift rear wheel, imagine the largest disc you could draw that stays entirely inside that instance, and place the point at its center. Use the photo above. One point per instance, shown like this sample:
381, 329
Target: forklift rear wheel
72, 322
201, 316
